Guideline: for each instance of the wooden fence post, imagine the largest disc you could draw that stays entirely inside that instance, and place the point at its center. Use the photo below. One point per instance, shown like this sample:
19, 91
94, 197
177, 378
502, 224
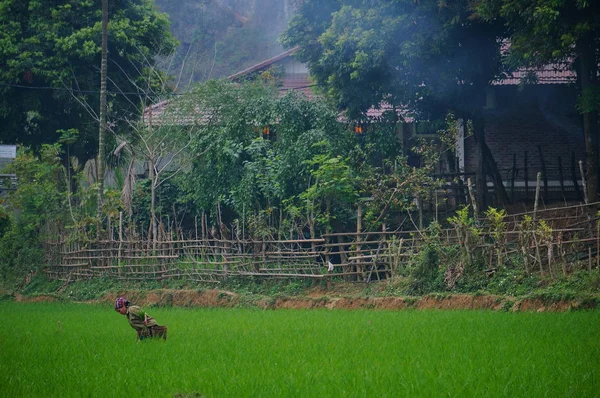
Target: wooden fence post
120, 239
583, 183
472, 196
537, 195
358, 232
574, 176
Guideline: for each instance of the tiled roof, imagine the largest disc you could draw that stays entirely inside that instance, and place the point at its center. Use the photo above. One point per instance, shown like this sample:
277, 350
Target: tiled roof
296, 81
263, 64
155, 114
376, 113
163, 114
548, 74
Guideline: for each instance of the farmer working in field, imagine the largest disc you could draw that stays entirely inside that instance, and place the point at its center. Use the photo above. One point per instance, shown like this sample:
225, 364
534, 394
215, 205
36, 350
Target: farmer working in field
144, 324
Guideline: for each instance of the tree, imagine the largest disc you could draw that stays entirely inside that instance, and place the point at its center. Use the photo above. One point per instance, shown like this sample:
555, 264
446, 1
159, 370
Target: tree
102, 111
561, 32
251, 148
428, 55
164, 151
50, 66
38, 202
334, 180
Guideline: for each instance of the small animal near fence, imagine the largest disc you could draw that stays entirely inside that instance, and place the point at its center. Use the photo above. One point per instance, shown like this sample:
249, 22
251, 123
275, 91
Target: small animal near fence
549, 241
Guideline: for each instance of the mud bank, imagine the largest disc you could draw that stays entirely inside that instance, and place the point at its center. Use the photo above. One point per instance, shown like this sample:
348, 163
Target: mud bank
315, 300
227, 299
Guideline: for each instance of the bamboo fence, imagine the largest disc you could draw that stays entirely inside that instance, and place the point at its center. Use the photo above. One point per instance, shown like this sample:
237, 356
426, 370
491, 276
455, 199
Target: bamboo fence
549, 241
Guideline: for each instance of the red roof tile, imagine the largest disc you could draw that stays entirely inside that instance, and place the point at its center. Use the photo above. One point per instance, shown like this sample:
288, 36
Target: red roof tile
548, 74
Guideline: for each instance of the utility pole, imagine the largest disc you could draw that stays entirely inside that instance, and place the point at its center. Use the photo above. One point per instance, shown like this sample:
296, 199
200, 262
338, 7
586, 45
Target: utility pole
103, 68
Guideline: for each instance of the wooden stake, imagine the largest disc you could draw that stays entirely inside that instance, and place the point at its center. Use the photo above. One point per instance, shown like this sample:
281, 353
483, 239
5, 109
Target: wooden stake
559, 246
583, 182
574, 176
537, 195
550, 258
358, 231
120, 237
472, 196
537, 252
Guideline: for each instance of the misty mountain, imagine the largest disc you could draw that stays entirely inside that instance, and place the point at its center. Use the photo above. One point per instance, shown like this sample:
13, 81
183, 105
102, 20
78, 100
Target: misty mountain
220, 37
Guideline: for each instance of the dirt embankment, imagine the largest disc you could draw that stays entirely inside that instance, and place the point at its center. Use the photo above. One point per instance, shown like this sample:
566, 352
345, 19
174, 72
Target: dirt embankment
323, 298
315, 300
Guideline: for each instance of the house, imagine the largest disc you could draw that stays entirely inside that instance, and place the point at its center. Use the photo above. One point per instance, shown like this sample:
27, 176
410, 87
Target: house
291, 74
533, 128
294, 75
530, 128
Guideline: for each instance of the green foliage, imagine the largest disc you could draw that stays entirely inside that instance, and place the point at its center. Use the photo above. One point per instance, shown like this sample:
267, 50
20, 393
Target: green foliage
37, 202
426, 267
334, 182
497, 224
366, 53
545, 30
468, 235
589, 100
564, 32
497, 232
225, 141
5, 221
251, 174
52, 45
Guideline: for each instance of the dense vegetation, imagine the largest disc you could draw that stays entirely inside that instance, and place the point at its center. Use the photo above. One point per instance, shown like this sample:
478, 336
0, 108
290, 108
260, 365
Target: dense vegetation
304, 175
50, 61
243, 155
431, 57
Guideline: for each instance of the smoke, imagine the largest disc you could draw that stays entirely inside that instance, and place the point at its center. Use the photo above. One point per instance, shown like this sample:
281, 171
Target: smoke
221, 37
267, 17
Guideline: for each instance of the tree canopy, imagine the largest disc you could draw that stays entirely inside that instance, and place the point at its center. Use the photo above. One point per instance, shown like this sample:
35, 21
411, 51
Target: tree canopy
50, 66
561, 32
401, 52
429, 56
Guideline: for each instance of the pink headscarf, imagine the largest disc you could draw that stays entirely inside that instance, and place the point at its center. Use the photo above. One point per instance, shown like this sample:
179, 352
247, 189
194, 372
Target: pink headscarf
121, 302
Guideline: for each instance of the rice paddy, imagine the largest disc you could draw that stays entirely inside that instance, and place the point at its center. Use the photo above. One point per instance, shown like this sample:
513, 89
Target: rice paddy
76, 350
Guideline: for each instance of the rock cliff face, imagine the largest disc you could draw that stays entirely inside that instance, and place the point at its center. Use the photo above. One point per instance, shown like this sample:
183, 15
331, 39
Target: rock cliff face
221, 37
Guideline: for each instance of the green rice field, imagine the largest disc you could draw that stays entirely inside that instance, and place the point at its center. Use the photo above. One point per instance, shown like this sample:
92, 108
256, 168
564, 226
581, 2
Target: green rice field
82, 350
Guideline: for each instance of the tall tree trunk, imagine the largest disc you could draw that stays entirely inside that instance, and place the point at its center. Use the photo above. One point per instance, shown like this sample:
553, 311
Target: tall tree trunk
103, 70
152, 176
590, 119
